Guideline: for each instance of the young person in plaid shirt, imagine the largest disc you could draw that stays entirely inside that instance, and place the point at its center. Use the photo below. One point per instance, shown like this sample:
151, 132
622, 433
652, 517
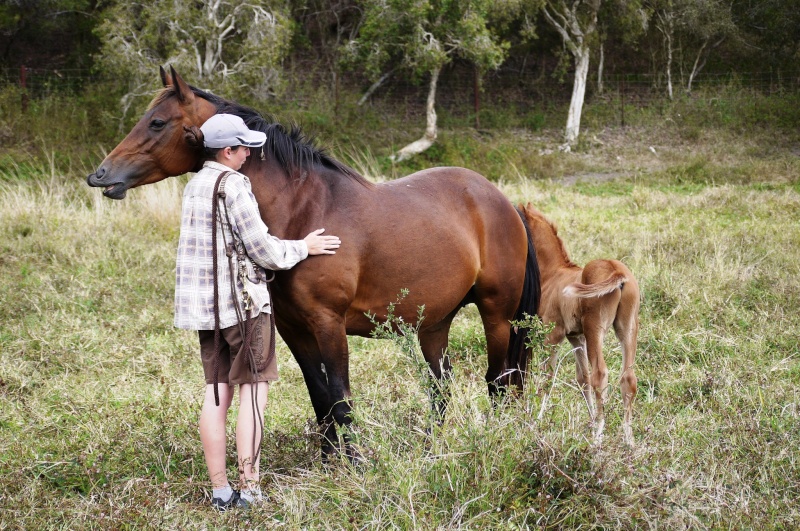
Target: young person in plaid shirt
227, 141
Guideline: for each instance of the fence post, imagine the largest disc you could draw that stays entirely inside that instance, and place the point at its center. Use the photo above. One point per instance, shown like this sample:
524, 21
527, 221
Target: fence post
622, 99
23, 87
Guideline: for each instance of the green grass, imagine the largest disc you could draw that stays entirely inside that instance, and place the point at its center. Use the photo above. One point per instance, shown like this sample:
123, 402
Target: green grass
101, 395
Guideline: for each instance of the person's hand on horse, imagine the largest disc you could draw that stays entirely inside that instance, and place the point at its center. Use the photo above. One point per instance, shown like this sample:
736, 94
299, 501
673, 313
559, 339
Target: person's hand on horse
318, 244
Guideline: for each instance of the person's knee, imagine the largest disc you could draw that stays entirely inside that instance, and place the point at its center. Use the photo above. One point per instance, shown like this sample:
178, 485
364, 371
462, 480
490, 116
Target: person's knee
225, 395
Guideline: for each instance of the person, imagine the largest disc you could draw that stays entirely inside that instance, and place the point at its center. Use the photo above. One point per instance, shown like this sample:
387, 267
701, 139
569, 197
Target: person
238, 353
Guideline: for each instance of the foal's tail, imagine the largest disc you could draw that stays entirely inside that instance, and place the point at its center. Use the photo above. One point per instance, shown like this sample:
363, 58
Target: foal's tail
518, 352
598, 289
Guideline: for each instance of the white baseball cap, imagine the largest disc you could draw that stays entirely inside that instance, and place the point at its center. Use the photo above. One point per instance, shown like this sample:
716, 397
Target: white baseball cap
223, 130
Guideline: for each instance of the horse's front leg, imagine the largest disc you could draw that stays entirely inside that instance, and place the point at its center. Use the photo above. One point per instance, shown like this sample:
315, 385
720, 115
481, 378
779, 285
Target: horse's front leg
583, 372
323, 358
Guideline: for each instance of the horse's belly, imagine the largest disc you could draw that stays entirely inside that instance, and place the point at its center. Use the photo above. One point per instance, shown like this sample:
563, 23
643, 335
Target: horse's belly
431, 237
438, 285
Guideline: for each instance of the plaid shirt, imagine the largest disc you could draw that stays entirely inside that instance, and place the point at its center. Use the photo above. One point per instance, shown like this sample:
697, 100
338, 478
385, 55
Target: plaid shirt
194, 283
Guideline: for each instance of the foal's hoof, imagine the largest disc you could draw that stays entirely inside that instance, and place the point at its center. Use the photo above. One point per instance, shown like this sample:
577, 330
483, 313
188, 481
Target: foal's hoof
598, 433
627, 437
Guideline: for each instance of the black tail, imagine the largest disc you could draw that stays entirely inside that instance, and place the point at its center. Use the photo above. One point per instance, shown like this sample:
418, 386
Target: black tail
518, 353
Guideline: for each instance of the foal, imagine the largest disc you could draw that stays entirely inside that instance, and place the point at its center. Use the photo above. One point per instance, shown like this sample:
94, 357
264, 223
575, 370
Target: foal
583, 303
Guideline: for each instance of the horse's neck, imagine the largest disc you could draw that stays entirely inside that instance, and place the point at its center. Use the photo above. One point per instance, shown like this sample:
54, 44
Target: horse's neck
550, 253
288, 205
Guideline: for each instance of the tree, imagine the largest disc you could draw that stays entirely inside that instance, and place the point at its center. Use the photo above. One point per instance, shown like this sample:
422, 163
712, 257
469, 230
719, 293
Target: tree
323, 26
576, 23
771, 29
218, 43
693, 29
620, 25
47, 33
665, 15
707, 23
422, 36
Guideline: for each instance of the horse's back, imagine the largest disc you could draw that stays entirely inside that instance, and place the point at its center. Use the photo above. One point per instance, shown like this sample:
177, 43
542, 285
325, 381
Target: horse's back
445, 186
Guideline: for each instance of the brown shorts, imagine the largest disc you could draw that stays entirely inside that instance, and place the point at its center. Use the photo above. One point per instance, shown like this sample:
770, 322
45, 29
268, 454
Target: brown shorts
237, 363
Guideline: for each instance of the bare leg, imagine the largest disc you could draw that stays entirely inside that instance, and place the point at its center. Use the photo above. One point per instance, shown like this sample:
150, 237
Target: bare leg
249, 426
212, 433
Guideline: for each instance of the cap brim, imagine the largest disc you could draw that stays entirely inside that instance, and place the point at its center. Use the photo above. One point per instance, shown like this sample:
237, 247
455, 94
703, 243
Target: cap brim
252, 139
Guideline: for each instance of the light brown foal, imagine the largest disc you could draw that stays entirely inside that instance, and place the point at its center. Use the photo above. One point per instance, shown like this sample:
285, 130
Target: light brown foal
583, 303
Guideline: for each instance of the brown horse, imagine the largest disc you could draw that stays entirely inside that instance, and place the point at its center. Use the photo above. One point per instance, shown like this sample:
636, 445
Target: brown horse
583, 303
447, 235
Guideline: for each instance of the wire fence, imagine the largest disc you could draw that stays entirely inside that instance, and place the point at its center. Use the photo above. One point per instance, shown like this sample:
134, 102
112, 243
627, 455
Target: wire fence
461, 91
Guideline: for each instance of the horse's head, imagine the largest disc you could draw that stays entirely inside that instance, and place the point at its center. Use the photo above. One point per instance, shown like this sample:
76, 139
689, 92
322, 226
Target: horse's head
166, 142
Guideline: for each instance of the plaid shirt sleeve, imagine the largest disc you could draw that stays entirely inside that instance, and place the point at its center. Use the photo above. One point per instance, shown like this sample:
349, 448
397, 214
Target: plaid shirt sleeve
265, 249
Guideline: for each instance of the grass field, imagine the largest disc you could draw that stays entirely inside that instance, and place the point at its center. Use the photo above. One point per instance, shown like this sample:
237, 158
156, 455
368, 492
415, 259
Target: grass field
101, 395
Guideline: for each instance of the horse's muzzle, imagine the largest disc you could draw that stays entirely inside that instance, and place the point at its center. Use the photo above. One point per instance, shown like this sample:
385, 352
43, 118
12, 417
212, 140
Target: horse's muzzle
112, 190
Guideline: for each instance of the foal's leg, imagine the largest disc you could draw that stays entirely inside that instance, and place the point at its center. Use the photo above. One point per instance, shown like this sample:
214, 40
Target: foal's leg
626, 326
595, 332
334, 353
551, 342
582, 372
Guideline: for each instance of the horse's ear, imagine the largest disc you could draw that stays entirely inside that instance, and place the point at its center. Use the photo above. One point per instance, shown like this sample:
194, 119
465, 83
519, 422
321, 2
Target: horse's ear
193, 136
182, 89
166, 79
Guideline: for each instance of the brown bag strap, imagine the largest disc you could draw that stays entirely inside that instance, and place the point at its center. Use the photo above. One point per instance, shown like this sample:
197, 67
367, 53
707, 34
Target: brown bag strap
219, 192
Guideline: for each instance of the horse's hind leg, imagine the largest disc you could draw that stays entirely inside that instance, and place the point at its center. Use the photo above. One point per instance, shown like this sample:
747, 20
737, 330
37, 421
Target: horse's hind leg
594, 333
433, 342
626, 326
498, 334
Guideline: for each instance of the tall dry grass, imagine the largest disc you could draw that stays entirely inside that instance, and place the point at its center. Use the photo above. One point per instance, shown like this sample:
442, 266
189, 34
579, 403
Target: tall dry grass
101, 395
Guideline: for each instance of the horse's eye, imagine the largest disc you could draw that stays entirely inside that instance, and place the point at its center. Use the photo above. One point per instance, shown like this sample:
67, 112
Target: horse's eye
157, 124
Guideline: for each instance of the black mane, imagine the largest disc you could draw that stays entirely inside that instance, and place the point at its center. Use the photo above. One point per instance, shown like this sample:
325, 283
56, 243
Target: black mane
293, 149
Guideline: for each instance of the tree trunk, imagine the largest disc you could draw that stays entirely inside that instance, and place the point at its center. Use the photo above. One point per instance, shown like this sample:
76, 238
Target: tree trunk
427, 140
700, 61
375, 86
600, 64
578, 93
695, 68
575, 33
669, 64
666, 26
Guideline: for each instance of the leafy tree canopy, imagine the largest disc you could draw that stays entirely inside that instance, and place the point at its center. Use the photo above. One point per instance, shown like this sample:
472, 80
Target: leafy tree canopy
424, 35
216, 43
